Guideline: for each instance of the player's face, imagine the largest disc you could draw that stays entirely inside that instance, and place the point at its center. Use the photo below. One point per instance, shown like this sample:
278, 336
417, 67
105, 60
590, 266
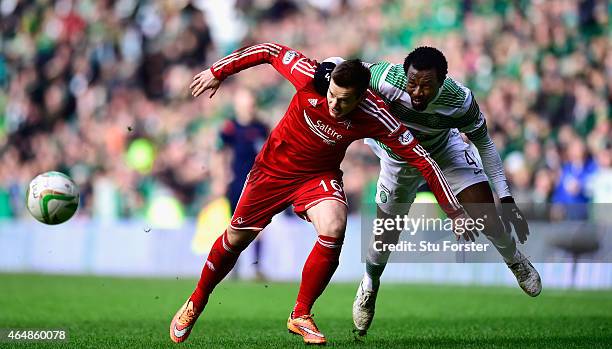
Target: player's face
422, 86
341, 100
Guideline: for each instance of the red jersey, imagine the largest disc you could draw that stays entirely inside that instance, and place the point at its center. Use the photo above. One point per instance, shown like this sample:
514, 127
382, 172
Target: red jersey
308, 140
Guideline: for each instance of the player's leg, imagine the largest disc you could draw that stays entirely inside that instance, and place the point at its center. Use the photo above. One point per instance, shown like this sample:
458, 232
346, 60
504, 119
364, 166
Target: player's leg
463, 169
259, 201
262, 198
220, 261
395, 191
325, 206
329, 220
479, 203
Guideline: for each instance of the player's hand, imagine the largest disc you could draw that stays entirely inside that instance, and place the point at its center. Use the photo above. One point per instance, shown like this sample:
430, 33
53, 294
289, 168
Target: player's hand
463, 226
204, 80
511, 214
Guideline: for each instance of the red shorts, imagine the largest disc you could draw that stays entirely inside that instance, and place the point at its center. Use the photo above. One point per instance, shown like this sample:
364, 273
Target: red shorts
264, 196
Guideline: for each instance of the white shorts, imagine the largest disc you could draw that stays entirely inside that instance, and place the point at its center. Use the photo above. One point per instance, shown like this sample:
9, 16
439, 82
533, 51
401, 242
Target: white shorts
398, 182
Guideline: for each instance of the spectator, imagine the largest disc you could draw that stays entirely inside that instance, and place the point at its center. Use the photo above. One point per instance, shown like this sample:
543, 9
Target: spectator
573, 186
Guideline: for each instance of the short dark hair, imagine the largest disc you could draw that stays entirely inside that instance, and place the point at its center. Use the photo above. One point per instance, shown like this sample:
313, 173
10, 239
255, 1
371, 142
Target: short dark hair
425, 58
352, 74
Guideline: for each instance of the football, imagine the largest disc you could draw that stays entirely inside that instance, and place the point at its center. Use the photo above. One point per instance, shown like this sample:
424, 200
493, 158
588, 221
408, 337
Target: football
52, 198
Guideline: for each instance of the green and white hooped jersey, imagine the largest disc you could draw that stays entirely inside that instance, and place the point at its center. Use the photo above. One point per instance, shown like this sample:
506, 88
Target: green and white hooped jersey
453, 108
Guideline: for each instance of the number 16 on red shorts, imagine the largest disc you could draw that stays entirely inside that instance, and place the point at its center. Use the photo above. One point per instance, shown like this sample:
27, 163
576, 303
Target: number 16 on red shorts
263, 196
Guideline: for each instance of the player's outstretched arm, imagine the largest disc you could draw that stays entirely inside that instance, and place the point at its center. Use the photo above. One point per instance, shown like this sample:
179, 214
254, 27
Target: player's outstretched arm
294, 66
291, 64
246, 57
204, 80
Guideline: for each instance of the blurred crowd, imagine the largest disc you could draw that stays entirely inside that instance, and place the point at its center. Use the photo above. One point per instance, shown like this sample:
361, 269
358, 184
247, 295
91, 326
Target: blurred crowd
99, 90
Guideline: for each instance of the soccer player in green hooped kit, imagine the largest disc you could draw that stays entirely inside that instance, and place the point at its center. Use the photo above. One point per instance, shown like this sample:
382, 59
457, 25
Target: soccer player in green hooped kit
436, 108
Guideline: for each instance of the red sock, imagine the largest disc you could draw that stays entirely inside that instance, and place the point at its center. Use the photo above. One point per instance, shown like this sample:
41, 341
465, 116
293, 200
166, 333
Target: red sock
318, 270
220, 261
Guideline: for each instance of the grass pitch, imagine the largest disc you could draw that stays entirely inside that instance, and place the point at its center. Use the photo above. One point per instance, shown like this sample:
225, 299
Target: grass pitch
121, 313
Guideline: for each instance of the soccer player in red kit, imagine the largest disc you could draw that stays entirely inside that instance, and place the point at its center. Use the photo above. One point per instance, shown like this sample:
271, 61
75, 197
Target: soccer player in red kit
299, 165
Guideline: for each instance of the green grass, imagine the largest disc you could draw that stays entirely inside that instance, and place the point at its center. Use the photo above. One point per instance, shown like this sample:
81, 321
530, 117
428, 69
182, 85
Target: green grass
122, 313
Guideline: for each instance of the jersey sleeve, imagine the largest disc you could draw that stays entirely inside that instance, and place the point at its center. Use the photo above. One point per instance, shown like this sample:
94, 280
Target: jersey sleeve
377, 70
387, 80
291, 64
472, 122
474, 125
400, 140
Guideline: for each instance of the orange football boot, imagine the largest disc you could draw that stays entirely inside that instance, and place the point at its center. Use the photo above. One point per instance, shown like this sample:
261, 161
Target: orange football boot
305, 327
183, 322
